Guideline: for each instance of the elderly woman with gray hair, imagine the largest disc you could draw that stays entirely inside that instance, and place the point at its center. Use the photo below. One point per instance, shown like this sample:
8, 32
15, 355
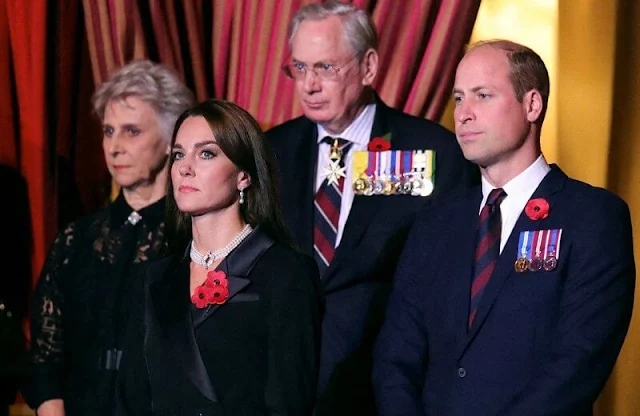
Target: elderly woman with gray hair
92, 274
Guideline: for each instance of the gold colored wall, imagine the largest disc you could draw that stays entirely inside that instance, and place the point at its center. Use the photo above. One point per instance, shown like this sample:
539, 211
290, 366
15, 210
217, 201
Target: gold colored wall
622, 394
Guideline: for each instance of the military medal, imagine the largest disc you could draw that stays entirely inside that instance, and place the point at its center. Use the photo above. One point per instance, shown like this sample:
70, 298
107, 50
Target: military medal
522, 264
550, 263
389, 172
552, 251
426, 187
334, 171
537, 261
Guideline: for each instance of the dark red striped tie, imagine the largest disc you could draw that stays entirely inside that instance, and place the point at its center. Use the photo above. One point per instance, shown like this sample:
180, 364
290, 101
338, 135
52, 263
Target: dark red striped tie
487, 248
327, 210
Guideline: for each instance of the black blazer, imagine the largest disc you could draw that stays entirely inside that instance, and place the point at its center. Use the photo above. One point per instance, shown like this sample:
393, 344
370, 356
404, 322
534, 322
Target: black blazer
358, 280
257, 354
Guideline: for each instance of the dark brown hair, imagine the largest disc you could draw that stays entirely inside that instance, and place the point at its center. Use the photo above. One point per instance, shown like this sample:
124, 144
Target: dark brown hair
242, 141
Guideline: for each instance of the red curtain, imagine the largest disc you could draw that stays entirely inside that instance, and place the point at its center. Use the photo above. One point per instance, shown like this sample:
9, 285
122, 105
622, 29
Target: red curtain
52, 53
239, 57
41, 84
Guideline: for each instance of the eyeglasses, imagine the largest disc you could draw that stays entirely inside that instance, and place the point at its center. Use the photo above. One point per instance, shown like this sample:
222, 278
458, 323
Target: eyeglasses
328, 72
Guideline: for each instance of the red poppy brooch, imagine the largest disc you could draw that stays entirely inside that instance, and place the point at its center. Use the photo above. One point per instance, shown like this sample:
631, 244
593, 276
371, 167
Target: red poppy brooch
537, 209
380, 144
214, 290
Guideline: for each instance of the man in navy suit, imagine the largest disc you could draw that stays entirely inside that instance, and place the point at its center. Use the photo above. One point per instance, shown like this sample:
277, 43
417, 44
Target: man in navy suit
523, 309
334, 63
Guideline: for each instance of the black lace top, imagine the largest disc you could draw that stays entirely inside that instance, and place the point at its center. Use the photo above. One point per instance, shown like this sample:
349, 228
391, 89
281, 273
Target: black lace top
81, 303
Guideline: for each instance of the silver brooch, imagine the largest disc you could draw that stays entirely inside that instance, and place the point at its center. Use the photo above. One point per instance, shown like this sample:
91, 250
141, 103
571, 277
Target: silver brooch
134, 218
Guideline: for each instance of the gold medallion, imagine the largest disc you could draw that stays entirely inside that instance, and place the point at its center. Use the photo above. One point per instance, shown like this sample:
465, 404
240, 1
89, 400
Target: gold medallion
521, 265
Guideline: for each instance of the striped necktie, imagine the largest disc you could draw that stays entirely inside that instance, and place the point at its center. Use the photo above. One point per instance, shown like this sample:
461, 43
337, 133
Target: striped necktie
327, 204
487, 248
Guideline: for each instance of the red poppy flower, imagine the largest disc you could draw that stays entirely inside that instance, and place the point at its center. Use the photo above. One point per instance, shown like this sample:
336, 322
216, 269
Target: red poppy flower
216, 278
218, 295
379, 144
537, 209
201, 296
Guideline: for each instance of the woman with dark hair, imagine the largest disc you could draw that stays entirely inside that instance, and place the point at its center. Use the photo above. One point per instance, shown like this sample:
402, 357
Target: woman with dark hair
230, 322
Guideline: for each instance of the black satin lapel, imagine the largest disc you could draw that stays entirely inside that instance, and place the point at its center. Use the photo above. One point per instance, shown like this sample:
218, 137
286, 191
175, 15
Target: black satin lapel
236, 284
237, 266
172, 296
551, 184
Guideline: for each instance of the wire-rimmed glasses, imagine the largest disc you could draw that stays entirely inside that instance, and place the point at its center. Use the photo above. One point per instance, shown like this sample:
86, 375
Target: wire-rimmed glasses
325, 71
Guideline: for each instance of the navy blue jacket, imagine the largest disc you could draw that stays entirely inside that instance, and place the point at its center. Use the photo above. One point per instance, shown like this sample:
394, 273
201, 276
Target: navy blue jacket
542, 343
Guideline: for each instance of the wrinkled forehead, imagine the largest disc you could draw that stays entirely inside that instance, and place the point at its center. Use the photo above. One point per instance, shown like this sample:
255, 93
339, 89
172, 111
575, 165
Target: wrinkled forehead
320, 41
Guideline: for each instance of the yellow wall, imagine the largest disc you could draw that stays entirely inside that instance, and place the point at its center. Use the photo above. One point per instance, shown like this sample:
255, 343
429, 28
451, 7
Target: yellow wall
622, 395
585, 85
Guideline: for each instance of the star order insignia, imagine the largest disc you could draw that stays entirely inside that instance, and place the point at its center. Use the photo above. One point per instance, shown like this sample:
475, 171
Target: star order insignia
334, 172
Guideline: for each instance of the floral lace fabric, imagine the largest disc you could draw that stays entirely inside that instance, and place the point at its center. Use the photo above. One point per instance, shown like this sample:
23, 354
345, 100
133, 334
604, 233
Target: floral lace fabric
80, 305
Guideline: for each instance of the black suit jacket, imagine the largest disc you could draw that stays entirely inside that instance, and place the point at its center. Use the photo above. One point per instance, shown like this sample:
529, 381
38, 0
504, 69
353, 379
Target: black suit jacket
357, 283
257, 354
542, 342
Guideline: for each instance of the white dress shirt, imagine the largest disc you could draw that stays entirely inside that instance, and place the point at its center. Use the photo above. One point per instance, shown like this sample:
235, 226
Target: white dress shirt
357, 133
519, 191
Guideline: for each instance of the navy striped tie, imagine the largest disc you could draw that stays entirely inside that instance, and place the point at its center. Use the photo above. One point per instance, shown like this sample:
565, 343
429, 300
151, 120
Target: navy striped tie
327, 210
487, 248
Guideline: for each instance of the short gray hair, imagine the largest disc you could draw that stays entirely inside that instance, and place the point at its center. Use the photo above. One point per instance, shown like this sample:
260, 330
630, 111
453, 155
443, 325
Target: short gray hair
153, 83
357, 26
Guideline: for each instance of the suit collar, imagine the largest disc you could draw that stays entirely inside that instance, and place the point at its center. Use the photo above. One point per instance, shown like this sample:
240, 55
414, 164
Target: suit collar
171, 302
548, 188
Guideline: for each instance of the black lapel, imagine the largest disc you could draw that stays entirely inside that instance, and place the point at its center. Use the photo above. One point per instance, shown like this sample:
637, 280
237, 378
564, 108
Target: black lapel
298, 186
237, 266
551, 184
467, 228
170, 297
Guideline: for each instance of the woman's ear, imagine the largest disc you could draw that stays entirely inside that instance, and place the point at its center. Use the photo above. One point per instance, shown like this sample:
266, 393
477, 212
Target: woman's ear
244, 180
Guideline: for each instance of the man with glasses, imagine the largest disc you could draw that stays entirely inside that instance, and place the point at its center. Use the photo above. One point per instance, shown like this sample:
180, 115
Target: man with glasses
353, 174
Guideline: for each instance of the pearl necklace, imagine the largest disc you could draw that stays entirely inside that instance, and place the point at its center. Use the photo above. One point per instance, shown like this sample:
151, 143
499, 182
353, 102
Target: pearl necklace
207, 259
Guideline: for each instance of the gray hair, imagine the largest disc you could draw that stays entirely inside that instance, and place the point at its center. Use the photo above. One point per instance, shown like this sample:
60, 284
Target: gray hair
358, 28
153, 83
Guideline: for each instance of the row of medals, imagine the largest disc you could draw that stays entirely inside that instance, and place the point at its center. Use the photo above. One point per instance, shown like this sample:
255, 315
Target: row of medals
413, 184
523, 264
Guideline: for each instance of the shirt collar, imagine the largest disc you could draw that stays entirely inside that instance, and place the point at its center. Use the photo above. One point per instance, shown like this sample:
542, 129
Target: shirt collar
523, 185
359, 131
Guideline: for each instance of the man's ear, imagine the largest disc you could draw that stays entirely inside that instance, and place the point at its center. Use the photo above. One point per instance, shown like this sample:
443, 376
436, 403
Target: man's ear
533, 105
369, 67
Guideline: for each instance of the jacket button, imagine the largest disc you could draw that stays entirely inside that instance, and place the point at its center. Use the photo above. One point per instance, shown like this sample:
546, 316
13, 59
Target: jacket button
462, 372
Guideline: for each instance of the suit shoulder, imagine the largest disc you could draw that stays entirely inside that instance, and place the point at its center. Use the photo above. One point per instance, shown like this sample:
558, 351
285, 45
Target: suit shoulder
422, 126
288, 264
589, 198
282, 132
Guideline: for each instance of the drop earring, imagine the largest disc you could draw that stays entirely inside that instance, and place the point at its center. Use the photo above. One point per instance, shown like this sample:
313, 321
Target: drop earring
241, 196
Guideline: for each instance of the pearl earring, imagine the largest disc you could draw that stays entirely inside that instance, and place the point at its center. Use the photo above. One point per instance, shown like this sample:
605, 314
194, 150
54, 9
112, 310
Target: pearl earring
241, 196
